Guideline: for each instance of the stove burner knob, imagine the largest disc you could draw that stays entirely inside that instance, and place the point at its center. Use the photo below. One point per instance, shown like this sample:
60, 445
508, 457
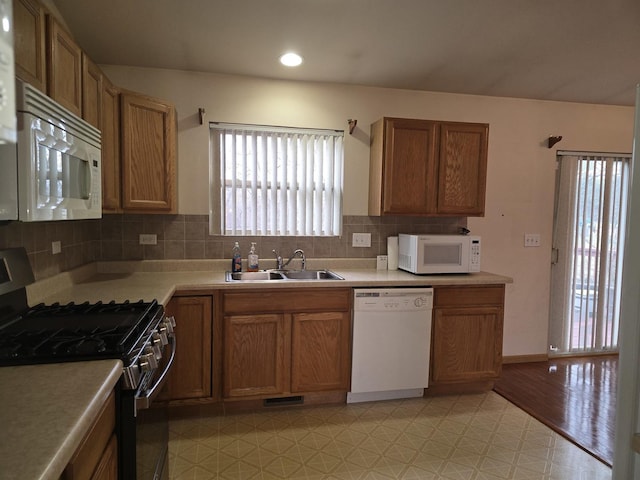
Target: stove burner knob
160, 336
168, 323
148, 362
155, 350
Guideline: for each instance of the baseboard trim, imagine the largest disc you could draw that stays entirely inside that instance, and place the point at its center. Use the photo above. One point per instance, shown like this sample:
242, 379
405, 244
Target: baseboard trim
539, 357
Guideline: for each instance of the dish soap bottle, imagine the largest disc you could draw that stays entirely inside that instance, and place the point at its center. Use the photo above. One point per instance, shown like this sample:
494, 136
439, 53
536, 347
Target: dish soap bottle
236, 260
252, 259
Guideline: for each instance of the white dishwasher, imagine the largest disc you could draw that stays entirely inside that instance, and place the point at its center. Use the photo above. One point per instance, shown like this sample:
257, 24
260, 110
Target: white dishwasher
391, 343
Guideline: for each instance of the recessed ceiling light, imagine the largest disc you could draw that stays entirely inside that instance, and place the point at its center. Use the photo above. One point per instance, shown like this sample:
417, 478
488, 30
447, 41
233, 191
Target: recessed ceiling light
291, 59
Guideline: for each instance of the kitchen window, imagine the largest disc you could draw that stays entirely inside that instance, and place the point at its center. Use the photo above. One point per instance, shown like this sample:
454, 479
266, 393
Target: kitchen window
275, 181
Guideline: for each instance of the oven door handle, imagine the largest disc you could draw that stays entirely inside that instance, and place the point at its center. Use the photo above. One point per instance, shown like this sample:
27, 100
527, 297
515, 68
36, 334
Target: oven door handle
144, 401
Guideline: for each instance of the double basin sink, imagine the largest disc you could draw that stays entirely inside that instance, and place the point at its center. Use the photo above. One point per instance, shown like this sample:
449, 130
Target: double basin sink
282, 275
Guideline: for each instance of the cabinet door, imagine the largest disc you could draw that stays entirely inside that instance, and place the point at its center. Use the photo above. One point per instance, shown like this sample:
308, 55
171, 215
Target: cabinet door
29, 43
467, 344
107, 468
190, 375
320, 353
148, 154
91, 92
110, 147
409, 167
64, 68
462, 169
256, 354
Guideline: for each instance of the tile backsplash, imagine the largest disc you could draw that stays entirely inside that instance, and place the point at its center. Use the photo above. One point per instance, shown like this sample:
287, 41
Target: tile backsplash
116, 237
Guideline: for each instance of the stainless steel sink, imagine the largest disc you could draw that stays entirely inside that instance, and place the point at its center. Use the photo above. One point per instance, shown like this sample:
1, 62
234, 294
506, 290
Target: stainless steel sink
249, 276
311, 275
282, 275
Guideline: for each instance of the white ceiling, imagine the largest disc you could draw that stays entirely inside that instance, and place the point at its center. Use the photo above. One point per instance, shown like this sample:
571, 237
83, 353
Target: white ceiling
568, 50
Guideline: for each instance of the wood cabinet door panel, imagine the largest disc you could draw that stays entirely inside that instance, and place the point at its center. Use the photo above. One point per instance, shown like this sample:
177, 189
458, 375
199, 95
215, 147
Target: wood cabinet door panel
409, 169
462, 168
256, 354
467, 344
91, 92
190, 375
320, 353
29, 43
107, 468
469, 295
148, 154
289, 300
110, 147
64, 68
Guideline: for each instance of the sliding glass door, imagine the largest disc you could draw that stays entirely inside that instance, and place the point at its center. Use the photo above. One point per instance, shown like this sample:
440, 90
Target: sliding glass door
588, 243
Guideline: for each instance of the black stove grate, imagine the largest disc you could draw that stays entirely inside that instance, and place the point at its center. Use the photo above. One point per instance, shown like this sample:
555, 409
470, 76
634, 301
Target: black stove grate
69, 332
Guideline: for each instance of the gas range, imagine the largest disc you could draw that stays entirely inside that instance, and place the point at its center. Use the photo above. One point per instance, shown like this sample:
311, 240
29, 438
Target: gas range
134, 332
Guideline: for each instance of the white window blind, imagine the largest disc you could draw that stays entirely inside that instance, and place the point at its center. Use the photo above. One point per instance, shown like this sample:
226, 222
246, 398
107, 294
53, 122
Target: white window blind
590, 221
275, 181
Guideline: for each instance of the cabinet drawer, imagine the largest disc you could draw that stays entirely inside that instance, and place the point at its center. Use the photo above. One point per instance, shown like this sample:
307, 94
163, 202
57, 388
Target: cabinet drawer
85, 460
289, 300
468, 296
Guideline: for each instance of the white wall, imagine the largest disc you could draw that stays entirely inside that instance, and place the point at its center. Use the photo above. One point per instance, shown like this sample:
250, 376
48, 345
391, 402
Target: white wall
521, 169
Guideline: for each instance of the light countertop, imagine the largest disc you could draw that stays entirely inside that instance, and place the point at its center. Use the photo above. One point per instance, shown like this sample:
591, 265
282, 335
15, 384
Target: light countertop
149, 280
45, 412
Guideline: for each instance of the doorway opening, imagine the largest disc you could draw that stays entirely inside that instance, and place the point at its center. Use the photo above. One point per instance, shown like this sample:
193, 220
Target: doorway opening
588, 245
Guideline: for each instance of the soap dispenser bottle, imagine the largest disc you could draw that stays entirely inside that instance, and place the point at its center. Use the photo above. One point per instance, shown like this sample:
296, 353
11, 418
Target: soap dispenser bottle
252, 259
236, 260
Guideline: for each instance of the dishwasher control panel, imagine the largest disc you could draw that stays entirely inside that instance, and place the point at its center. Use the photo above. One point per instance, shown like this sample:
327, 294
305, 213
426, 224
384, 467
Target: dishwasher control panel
397, 300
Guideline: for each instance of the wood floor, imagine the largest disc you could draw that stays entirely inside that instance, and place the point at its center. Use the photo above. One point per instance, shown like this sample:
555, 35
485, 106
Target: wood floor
576, 397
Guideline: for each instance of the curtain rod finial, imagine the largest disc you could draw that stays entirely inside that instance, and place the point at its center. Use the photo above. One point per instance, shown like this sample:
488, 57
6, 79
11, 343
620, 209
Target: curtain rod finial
352, 125
553, 140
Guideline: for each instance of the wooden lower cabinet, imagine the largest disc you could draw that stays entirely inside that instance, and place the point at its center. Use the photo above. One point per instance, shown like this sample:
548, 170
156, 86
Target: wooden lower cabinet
190, 376
97, 456
466, 336
320, 351
281, 343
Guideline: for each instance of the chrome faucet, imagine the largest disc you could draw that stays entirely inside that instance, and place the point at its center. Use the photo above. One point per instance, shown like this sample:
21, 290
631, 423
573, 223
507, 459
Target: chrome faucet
279, 262
279, 265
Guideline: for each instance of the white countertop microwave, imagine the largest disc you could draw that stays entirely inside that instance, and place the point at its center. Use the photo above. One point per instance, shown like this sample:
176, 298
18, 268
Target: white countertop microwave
58, 158
438, 253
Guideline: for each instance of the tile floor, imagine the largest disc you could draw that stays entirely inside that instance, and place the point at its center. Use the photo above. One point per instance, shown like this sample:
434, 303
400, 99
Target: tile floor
467, 437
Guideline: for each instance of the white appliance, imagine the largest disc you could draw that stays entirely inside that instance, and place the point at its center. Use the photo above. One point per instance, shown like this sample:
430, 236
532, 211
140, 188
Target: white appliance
391, 343
7, 78
438, 253
59, 162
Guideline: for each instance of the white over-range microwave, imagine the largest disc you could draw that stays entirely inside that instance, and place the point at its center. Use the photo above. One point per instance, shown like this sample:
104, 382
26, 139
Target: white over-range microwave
437, 253
54, 170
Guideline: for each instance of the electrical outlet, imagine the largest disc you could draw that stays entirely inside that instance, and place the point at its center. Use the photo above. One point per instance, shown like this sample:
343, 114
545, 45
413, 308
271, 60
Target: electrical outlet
531, 239
361, 240
56, 247
148, 239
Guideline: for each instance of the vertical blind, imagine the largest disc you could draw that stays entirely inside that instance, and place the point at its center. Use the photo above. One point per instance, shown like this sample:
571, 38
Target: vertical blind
275, 181
589, 238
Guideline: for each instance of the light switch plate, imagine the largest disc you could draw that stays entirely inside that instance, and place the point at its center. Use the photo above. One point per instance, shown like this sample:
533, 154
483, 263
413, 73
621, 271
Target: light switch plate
531, 239
148, 239
361, 240
381, 262
56, 247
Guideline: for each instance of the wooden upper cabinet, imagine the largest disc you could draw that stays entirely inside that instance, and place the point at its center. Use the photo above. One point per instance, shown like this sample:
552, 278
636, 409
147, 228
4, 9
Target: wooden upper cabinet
110, 113
64, 67
148, 154
462, 167
92, 79
428, 168
29, 43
